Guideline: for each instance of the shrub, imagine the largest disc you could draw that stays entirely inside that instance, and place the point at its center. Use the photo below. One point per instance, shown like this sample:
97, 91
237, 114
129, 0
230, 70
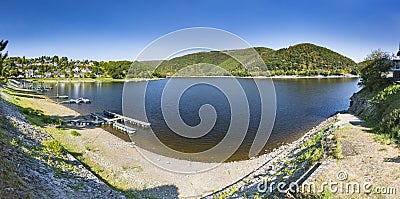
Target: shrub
75, 133
390, 124
54, 145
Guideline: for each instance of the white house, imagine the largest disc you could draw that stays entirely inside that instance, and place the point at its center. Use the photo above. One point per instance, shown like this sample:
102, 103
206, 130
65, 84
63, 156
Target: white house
76, 70
47, 74
76, 75
85, 70
61, 75
67, 70
29, 73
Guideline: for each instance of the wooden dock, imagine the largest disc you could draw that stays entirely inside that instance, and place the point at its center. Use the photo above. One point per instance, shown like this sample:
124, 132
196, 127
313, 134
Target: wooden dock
115, 120
122, 118
123, 128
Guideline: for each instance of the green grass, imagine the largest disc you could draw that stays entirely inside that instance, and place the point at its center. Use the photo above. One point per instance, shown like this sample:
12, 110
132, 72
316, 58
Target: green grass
384, 139
383, 149
54, 146
75, 133
337, 153
384, 115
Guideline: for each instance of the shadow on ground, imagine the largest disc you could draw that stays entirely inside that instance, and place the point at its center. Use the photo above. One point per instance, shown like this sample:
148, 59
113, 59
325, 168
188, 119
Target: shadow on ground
395, 159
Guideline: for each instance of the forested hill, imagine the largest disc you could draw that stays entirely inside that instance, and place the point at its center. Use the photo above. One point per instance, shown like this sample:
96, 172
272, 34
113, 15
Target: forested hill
308, 59
301, 59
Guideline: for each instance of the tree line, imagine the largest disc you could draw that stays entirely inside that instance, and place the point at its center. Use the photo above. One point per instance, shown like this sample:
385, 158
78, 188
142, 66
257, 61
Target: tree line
302, 59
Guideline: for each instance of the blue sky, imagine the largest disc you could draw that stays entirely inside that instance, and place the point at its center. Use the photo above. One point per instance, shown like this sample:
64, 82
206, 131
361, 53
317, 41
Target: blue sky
120, 29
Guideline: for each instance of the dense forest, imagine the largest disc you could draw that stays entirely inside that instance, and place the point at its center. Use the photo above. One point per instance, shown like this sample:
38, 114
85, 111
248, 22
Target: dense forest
301, 59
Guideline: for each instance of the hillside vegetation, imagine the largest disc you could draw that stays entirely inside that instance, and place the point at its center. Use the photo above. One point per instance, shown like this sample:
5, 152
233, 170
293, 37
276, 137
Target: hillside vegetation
378, 102
301, 59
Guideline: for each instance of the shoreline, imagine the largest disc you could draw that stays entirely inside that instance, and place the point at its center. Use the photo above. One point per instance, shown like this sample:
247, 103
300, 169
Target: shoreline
76, 80
111, 155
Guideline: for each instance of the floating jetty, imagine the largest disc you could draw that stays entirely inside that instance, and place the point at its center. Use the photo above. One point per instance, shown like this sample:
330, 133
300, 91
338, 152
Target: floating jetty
62, 97
122, 118
76, 101
111, 119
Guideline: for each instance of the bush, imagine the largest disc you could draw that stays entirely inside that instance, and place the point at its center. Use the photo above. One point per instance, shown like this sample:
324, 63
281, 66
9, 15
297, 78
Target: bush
391, 124
75, 133
54, 146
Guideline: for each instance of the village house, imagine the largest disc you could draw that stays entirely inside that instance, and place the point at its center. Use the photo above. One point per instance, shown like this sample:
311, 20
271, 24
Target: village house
47, 74
29, 73
85, 70
76, 70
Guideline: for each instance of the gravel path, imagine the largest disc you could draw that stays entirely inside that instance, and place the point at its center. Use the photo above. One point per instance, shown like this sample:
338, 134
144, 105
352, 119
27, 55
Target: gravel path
365, 161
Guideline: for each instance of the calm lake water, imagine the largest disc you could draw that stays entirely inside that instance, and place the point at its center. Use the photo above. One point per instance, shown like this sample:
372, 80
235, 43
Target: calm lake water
301, 104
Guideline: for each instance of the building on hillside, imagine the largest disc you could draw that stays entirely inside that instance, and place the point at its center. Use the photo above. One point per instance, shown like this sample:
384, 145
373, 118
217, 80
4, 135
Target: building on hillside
47, 74
29, 73
76, 70
396, 65
85, 70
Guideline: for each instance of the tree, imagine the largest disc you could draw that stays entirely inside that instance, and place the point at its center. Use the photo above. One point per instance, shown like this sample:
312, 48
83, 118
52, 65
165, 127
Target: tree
372, 69
3, 45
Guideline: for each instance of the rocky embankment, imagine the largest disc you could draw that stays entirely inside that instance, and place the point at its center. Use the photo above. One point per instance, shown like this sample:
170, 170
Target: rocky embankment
30, 170
360, 105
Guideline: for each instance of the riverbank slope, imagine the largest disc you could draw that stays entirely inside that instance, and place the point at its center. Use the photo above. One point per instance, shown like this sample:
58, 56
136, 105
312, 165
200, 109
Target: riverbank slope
34, 165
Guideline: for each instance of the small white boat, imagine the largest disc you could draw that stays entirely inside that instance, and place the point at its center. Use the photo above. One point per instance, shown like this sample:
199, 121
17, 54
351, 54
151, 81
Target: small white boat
83, 100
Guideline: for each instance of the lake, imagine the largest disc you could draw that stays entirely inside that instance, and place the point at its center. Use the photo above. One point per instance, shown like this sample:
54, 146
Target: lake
301, 104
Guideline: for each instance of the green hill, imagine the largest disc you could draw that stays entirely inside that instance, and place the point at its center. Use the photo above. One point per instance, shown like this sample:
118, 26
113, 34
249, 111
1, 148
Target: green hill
301, 59
308, 59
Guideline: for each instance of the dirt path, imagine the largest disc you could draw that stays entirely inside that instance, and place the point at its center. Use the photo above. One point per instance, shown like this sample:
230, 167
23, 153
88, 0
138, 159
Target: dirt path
367, 164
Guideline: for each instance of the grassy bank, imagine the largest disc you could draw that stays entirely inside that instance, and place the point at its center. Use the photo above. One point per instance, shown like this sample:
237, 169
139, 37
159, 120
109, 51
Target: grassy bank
382, 112
40, 112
